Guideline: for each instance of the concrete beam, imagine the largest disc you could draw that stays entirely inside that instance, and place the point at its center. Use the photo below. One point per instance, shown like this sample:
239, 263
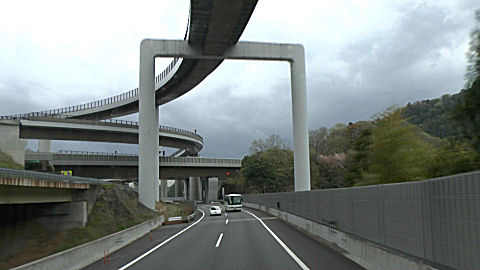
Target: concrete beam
241, 51
24, 195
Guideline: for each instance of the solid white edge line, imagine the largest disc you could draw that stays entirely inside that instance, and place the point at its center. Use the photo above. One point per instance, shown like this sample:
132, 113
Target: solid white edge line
226, 221
219, 240
161, 244
297, 260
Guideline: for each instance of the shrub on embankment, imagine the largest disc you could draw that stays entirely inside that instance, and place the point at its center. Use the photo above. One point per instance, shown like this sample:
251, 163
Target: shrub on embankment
23, 240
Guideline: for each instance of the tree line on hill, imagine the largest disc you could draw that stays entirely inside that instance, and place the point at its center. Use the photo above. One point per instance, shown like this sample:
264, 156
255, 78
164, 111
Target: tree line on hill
425, 139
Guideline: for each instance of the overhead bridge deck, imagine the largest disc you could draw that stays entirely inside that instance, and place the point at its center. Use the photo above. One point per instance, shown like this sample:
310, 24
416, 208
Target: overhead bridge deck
109, 165
105, 131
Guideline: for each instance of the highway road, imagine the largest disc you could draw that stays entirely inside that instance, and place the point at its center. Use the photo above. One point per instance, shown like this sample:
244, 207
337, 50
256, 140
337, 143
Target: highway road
237, 240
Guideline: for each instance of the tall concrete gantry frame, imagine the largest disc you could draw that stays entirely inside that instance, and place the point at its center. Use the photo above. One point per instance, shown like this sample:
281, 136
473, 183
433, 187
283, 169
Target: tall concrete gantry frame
148, 111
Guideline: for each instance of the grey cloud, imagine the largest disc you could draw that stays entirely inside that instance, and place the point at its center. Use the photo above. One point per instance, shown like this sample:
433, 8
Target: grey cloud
229, 123
419, 34
384, 69
20, 95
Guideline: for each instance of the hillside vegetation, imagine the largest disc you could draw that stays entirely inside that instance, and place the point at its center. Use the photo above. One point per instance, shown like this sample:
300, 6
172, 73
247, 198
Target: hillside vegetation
426, 139
435, 116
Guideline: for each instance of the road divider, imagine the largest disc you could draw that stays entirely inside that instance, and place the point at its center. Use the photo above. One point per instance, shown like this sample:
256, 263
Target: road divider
219, 240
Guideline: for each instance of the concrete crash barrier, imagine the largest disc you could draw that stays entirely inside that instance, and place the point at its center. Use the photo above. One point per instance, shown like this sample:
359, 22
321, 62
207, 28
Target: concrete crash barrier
367, 254
83, 255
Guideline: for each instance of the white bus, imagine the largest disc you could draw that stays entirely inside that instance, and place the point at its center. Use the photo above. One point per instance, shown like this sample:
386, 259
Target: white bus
233, 202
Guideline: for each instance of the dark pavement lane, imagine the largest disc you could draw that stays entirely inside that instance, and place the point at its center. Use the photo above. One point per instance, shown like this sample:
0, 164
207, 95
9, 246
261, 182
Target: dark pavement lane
313, 253
135, 249
246, 244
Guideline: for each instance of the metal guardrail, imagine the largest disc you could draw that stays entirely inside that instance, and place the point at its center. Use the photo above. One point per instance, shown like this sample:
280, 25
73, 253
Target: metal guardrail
100, 156
5, 172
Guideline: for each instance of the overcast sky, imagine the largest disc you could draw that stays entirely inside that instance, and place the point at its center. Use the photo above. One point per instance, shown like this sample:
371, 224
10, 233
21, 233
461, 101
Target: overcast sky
362, 57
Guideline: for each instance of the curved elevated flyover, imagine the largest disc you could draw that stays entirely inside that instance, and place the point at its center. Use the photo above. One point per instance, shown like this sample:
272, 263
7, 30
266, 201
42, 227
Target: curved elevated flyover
118, 131
213, 27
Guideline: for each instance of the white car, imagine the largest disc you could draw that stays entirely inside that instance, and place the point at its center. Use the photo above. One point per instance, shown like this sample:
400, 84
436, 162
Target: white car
215, 211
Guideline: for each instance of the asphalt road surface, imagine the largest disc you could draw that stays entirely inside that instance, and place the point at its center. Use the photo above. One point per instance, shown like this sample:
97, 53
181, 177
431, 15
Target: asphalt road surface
248, 240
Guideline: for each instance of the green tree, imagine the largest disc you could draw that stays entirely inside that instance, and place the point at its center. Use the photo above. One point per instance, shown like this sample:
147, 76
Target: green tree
397, 153
269, 168
273, 141
338, 139
452, 158
473, 54
259, 174
467, 113
359, 158
319, 141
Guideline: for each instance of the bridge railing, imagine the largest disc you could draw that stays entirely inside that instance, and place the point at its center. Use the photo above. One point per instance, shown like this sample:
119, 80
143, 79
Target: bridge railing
12, 173
102, 156
94, 104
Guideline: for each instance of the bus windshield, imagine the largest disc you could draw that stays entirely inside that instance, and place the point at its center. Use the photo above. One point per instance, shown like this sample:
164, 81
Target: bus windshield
234, 200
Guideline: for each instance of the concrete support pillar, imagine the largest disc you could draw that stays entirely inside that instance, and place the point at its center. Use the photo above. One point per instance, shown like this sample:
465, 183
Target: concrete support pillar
148, 131
178, 187
164, 189
10, 142
44, 145
157, 164
205, 188
200, 189
193, 188
185, 190
300, 122
212, 189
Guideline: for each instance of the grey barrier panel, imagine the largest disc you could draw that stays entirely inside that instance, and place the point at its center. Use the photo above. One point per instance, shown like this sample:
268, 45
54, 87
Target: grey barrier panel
437, 220
5, 172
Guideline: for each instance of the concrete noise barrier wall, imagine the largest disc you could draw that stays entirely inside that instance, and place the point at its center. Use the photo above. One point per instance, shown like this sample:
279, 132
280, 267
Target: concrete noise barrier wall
368, 255
436, 220
83, 255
